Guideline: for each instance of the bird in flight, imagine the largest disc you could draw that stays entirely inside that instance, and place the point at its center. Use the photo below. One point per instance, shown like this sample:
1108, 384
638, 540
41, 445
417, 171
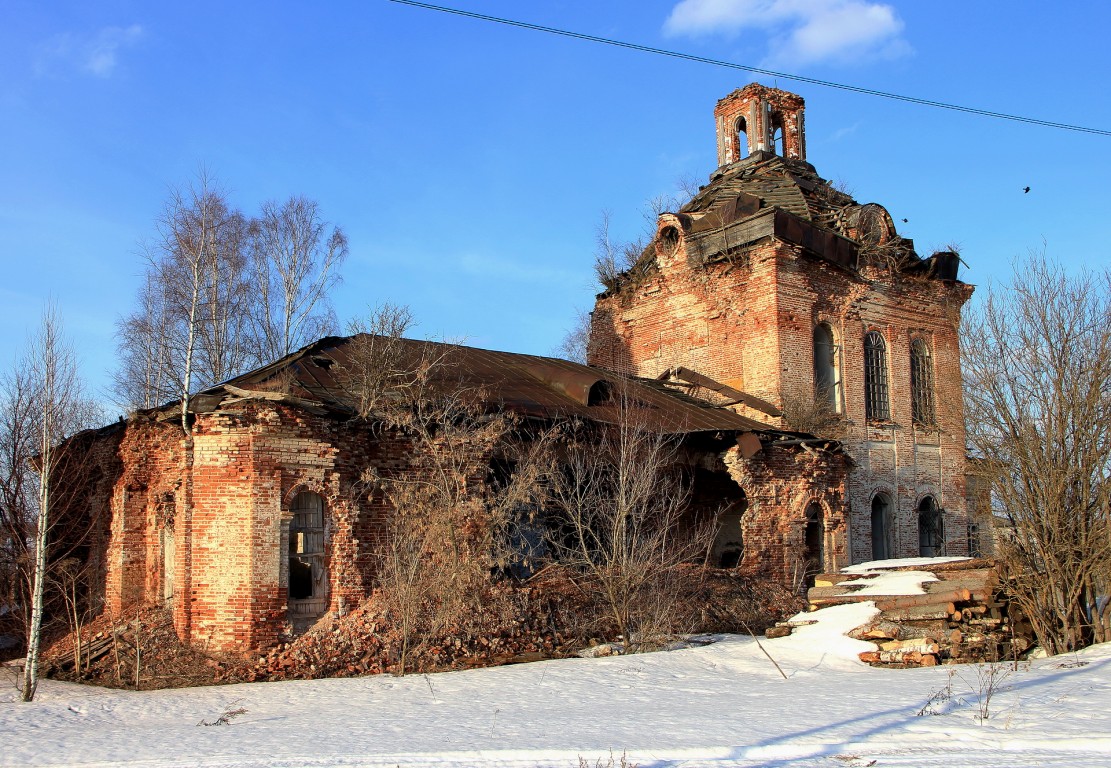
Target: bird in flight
1026, 190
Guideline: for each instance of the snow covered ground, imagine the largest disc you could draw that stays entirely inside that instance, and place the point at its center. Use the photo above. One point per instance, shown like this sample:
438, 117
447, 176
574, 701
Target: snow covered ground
722, 705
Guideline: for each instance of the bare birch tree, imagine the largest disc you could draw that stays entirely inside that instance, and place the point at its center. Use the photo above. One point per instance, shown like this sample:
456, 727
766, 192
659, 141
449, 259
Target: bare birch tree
57, 407
296, 262
222, 293
143, 378
1037, 375
191, 327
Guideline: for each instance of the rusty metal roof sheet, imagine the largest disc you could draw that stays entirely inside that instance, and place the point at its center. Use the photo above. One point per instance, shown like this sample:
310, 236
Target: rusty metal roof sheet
320, 376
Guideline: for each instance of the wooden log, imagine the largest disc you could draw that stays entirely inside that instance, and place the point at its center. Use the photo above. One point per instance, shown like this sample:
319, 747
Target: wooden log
987, 575
918, 645
817, 593
832, 579
911, 601
894, 602
917, 613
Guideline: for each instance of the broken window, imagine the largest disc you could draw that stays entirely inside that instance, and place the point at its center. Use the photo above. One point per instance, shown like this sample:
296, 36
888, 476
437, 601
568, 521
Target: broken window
815, 542
307, 581
729, 545
921, 382
876, 404
883, 519
931, 542
826, 380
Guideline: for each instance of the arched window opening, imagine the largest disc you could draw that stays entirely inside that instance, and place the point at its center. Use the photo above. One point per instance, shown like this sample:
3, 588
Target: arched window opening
729, 546
826, 380
740, 132
883, 528
876, 402
669, 239
166, 506
777, 134
931, 539
601, 393
922, 383
815, 543
308, 585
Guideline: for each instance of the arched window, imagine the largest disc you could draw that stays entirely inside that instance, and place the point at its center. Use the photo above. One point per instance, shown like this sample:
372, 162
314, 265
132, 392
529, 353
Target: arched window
883, 519
921, 383
826, 380
815, 542
308, 584
931, 539
876, 401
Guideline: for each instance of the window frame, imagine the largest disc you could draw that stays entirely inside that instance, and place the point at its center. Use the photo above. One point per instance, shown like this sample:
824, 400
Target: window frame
923, 404
877, 389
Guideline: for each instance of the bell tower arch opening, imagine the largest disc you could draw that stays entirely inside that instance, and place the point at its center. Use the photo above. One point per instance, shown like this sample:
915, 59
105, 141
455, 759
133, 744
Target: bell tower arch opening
758, 119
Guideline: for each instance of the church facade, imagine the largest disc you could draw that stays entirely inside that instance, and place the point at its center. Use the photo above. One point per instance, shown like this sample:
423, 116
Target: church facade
775, 283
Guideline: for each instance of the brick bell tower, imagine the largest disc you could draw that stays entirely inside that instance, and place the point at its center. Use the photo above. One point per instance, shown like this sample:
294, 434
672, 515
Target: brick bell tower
758, 119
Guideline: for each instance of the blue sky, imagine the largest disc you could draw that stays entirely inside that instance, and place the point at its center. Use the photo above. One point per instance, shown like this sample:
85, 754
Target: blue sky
469, 162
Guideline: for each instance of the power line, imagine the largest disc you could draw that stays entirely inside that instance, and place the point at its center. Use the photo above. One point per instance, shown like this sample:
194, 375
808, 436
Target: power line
755, 70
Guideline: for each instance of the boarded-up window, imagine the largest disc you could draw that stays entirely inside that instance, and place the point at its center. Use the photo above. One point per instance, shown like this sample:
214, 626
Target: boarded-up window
921, 382
307, 578
876, 399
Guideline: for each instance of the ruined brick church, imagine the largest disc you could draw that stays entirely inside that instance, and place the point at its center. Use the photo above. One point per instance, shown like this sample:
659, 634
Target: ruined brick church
800, 351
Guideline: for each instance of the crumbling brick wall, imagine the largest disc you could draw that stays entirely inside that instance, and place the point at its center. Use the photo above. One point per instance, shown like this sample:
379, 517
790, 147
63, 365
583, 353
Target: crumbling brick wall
781, 484
224, 494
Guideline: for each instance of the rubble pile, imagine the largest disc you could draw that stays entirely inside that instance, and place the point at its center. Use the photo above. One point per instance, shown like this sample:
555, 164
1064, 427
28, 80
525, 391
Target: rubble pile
554, 614
141, 653
963, 616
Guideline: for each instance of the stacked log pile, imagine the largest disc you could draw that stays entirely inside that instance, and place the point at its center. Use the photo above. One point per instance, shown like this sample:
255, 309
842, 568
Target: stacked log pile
963, 616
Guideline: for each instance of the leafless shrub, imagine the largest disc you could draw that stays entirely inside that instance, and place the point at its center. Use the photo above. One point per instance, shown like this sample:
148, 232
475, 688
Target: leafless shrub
1037, 359
449, 528
613, 259
814, 415
228, 715
619, 504
990, 678
380, 370
937, 701
622, 762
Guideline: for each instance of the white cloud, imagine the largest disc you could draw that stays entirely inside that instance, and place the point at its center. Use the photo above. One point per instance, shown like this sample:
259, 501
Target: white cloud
96, 54
800, 31
100, 55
